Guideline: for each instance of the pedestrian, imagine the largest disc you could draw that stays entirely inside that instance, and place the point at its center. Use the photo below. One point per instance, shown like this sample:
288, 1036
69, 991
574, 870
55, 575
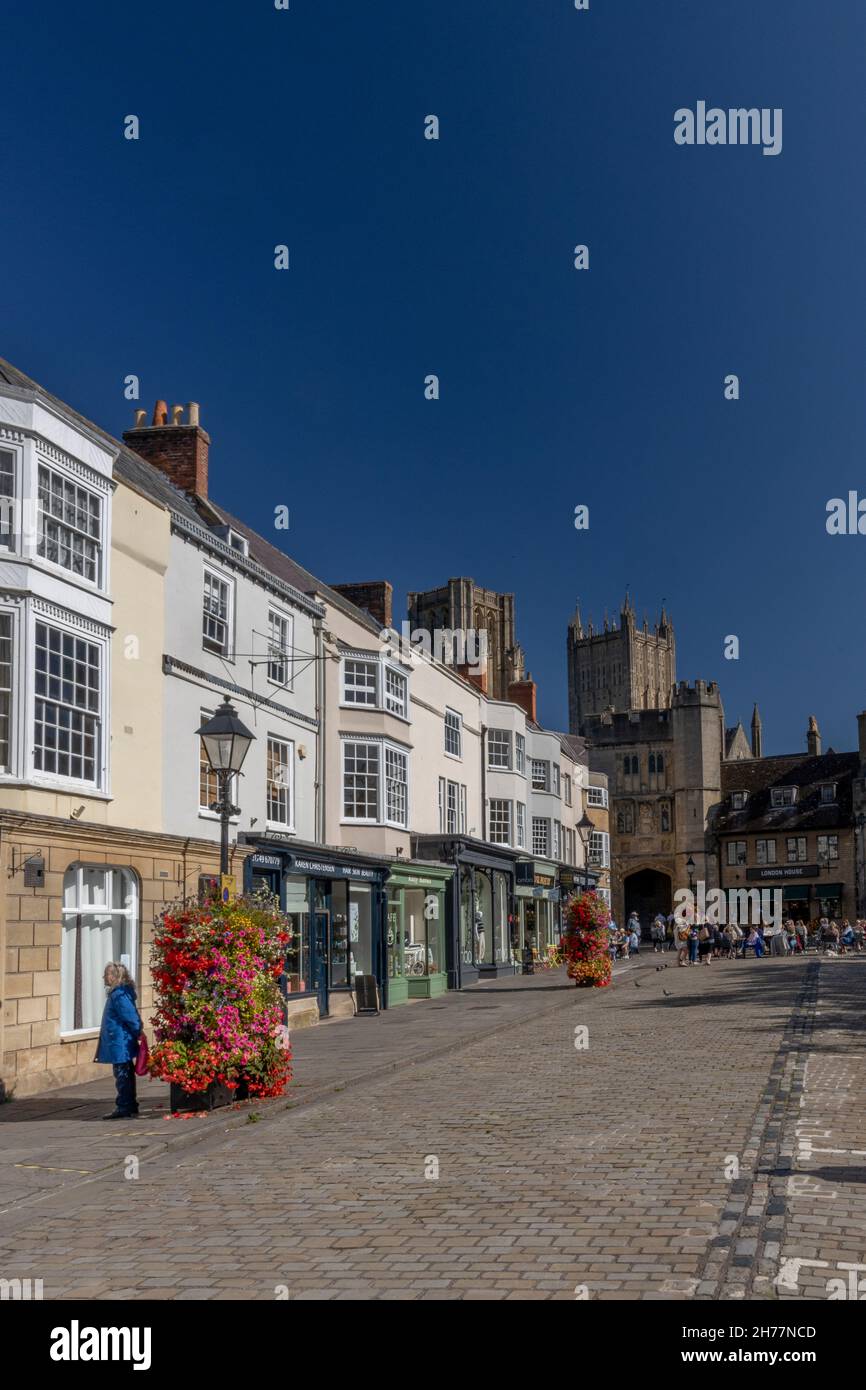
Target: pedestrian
778, 941
705, 943
682, 942
731, 936
693, 944
847, 936
657, 934
119, 1037
634, 938
755, 940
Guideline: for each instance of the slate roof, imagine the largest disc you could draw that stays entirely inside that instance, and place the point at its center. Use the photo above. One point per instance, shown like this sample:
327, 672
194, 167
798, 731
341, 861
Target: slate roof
757, 776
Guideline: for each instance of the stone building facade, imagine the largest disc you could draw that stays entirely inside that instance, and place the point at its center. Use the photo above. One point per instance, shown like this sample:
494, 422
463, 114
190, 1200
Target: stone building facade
623, 667
462, 605
788, 823
664, 769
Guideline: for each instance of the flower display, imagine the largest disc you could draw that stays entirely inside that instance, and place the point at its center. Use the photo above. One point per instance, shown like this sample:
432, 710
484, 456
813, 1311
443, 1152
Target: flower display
219, 1016
585, 941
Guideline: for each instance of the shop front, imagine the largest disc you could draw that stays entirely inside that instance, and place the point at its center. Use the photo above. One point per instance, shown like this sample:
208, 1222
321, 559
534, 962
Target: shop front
803, 900
480, 907
415, 931
335, 902
537, 924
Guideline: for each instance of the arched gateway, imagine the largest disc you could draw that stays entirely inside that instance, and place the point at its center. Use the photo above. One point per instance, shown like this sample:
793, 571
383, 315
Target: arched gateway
647, 892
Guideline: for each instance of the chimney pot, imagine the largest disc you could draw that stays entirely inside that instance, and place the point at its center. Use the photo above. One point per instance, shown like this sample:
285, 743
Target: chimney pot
140, 417
177, 415
160, 414
192, 412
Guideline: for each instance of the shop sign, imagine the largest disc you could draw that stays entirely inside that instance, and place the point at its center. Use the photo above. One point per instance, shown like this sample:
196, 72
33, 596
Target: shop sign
530, 875
266, 861
321, 869
778, 873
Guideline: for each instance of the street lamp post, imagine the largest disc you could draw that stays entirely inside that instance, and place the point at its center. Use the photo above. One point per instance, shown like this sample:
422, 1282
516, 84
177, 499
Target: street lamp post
690, 870
226, 742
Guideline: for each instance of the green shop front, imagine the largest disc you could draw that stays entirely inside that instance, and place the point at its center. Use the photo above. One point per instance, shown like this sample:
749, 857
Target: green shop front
415, 931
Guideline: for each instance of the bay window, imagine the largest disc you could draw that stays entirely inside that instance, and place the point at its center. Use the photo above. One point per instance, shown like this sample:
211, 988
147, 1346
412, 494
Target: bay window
375, 782
66, 737
71, 525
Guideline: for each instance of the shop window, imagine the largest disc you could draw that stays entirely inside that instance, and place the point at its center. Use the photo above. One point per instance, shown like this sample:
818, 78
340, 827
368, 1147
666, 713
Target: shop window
100, 919
297, 977
414, 937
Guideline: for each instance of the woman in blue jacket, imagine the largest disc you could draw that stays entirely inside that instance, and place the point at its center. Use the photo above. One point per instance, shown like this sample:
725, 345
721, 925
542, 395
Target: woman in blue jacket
118, 1038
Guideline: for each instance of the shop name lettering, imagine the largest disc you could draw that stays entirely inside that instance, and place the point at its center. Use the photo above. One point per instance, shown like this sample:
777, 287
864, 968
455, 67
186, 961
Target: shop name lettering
450, 646
737, 126
738, 905
76, 1343
331, 870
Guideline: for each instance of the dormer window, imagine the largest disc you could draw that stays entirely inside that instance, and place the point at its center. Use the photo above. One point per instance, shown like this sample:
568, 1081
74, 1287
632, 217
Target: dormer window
782, 796
238, 542
828, 793
738, 801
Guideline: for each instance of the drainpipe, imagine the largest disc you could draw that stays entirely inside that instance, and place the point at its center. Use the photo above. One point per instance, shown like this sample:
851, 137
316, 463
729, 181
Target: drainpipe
319, 830
483, 782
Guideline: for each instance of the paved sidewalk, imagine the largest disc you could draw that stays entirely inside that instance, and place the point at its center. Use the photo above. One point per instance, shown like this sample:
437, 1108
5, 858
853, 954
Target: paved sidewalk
708, 1143
58, 1138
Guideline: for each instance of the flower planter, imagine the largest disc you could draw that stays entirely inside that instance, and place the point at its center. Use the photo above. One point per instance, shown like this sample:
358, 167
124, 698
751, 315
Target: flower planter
216, 1096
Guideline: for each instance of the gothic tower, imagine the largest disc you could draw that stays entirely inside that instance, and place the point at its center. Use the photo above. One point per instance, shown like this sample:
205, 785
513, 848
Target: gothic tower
620, 668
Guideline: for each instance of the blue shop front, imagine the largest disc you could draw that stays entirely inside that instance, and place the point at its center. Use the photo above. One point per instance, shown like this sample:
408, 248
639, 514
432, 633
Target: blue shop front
336, 903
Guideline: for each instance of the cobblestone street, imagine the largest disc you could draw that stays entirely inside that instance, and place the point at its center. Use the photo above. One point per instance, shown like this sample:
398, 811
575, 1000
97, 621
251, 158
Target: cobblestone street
709, 1142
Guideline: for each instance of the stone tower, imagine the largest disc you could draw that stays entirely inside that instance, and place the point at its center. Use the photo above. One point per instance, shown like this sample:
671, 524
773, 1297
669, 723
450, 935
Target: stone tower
462, 605
619, 668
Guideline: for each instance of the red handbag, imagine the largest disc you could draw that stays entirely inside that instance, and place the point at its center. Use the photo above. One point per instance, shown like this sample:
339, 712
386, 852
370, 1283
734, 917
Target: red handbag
142, 1058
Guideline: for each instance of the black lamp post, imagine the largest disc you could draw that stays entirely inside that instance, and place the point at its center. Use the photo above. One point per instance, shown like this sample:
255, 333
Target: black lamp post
690, 870
226, 743
585, 828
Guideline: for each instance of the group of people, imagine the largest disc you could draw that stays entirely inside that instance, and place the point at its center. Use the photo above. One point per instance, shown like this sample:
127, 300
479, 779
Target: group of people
703, 941
624, 941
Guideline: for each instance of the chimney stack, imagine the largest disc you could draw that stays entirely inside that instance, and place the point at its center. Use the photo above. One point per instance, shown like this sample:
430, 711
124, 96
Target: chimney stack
179, 450
524, 693
375, 597
813, 738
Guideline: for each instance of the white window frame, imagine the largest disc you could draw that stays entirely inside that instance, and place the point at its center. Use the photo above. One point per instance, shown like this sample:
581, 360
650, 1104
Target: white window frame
8, 767
455, 729
503, 741
210, 572
47, 518
520, 824
452, 807
520, 754
463, 814
542, 775
541, 853
504, 826
738, 801
289, 783
598, 850
566, 788
383, 747
397, 705
281, 657
556, 784
348, 690
85, 909
39, 776
596, 796
780, 797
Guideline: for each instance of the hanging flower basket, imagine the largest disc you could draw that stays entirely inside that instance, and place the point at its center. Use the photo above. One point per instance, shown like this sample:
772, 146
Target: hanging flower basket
219, 1021
585, 941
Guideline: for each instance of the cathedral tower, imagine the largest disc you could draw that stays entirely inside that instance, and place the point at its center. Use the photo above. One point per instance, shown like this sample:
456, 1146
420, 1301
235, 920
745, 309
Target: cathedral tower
627, 667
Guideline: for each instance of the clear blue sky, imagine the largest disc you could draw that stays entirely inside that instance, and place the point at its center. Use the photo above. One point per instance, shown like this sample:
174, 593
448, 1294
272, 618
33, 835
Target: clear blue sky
410, 256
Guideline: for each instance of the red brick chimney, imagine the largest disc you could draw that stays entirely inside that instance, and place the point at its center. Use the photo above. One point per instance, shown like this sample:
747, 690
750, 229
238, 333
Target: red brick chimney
524, 693
474, 676
374, 597
179, 448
